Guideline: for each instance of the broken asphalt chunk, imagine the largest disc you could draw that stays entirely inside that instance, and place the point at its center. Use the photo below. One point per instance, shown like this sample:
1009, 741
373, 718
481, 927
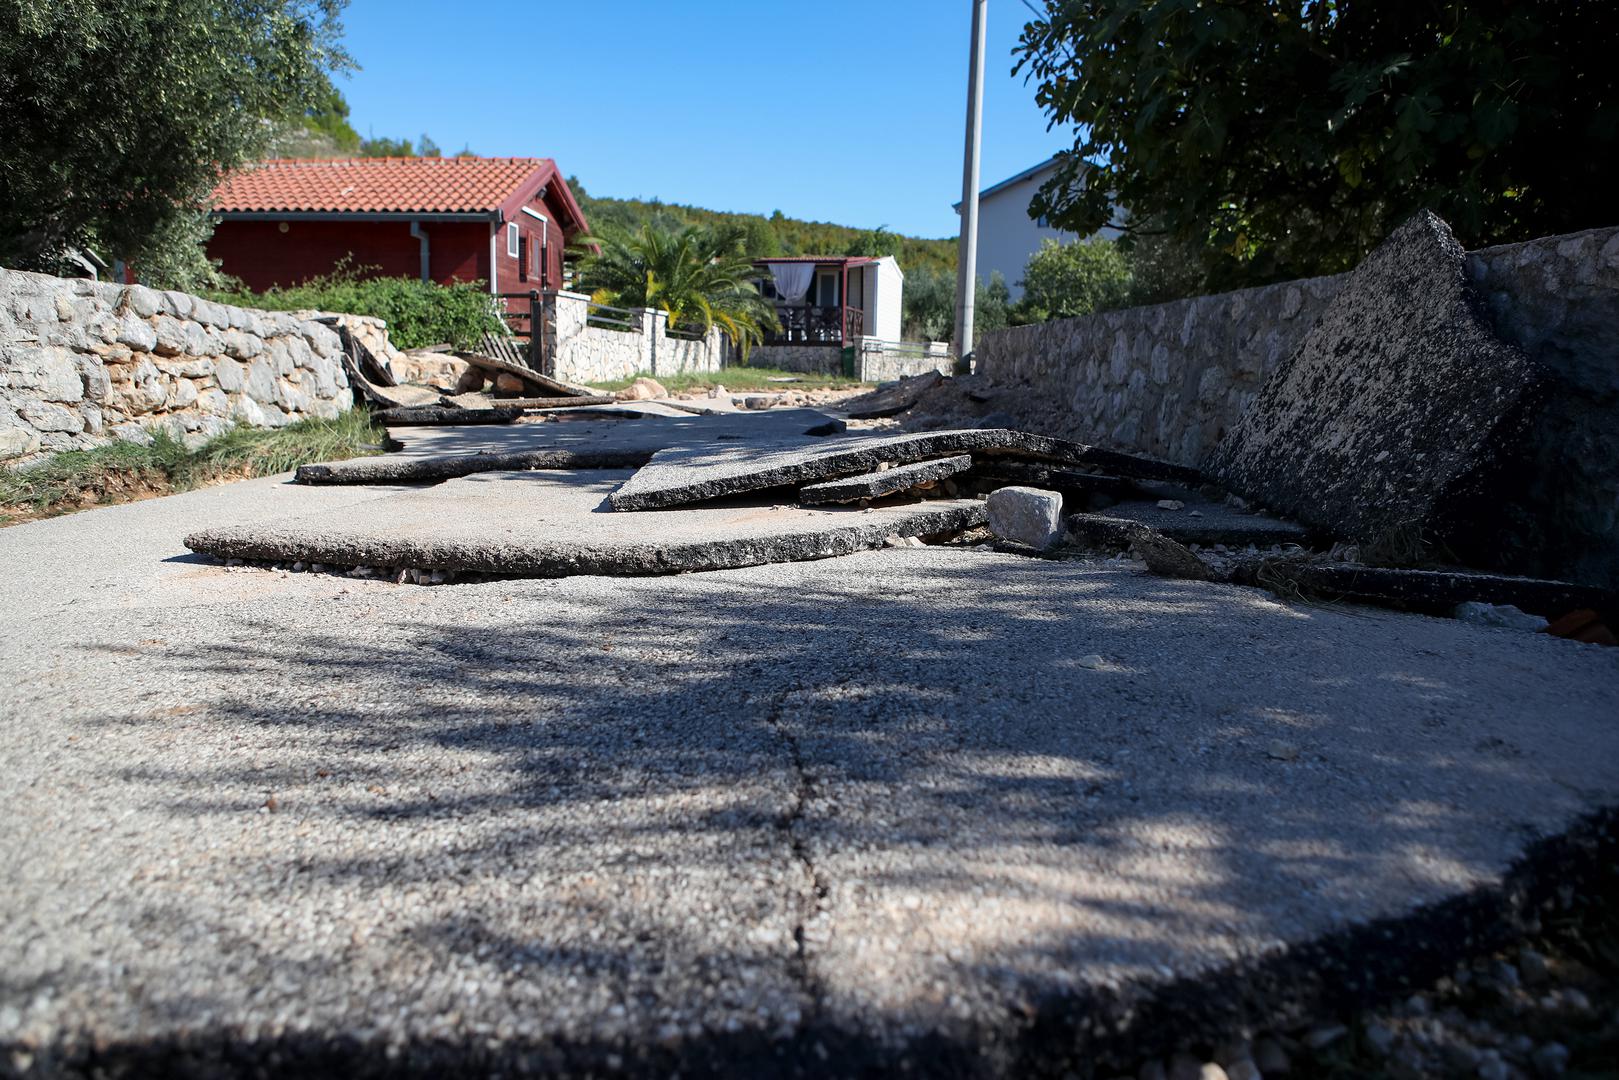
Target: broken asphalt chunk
438, 414
1386, 419
875, 485
682, 476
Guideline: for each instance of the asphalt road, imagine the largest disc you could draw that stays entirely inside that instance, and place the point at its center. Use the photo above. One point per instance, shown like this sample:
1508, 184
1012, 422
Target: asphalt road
950, 810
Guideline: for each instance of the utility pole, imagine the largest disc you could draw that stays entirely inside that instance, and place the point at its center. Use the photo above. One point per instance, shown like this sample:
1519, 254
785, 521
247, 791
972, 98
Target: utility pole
967, 259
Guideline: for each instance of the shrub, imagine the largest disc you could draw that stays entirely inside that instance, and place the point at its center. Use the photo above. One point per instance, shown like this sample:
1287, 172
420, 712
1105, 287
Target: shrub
1062, 281
417, 313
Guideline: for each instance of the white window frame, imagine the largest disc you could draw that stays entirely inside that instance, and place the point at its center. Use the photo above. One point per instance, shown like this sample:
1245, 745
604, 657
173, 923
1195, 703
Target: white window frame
512, 239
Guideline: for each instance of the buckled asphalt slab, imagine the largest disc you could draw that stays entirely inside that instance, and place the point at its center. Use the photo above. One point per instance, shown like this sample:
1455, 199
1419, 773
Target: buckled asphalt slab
578, 439
1194, 522
693, 474
552, 524
933, 810
875, 485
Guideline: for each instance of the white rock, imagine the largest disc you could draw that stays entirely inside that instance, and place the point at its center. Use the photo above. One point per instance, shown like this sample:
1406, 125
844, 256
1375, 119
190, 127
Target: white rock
1503, 615
1170, 504
1026, 515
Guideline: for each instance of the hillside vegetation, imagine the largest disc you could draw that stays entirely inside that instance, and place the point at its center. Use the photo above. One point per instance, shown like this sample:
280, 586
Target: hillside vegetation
765, 236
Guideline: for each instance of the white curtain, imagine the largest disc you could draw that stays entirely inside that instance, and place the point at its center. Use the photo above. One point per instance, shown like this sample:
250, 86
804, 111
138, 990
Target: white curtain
792, 279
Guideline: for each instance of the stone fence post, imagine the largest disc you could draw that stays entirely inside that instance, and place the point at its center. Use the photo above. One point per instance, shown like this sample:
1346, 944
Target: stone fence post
654, 330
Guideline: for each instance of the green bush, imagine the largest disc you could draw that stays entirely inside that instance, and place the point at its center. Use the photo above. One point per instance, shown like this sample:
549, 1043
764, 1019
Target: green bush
417, 313
1062, 281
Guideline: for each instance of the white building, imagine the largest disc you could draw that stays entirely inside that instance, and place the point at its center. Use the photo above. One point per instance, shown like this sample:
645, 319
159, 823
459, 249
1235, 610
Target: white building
1007, 235
834, 299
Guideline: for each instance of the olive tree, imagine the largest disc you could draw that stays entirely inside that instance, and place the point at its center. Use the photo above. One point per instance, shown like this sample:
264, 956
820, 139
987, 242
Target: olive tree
118, 118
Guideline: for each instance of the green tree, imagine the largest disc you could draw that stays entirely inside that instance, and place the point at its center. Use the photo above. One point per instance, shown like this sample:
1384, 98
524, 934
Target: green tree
1061, 281
930, 305
385, 147
118, 118
1285, 138
330, 117
701, 277
875, 243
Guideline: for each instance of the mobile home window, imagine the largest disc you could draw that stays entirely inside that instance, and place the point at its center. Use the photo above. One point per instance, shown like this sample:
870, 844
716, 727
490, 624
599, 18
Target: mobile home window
511, 239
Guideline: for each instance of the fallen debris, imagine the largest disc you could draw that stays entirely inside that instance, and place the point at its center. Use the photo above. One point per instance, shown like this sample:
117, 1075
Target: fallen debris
550, 524
438, 414
875, 485
544, 384
892, 398
1166, 557
1385, 421
682, 476
582, 441
642, 389
1502, 615
1026, 516
1431, 591
484, 401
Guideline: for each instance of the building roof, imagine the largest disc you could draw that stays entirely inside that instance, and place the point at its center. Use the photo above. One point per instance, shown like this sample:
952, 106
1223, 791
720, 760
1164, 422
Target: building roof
383, 185
825, 260
1032, 171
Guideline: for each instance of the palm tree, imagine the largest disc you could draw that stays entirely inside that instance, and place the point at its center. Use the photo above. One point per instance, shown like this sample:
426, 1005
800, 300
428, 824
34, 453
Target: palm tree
701, 277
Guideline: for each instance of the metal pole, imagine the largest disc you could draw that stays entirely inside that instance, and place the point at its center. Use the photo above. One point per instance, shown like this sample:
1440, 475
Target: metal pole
967, 259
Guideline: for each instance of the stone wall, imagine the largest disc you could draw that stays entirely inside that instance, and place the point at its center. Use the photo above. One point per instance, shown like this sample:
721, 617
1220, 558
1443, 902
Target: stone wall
582, 353
1558, 299
1171, 379
85, 362
1167, 379
884, 361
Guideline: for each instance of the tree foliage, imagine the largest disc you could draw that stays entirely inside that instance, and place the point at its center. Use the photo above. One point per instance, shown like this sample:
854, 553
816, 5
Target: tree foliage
1062, 281
930, 305
702, 277
1286, 138
118, 117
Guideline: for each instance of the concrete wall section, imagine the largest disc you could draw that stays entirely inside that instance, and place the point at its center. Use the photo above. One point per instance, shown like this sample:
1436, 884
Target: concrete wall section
85, 362
582, 353
809, 359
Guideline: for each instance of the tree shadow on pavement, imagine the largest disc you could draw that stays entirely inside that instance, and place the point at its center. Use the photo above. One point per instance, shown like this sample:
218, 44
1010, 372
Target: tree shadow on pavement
974, 813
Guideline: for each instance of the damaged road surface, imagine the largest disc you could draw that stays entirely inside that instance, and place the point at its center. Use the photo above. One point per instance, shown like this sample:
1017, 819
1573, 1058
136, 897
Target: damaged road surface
943, 810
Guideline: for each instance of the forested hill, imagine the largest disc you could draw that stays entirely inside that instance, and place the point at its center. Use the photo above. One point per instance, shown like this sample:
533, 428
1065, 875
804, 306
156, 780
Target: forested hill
773, 235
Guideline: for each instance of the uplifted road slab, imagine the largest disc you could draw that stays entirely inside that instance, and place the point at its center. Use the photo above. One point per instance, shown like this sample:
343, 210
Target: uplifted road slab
576, 440
1200, 522
1385, 422
928, 811
553, 524
682, 476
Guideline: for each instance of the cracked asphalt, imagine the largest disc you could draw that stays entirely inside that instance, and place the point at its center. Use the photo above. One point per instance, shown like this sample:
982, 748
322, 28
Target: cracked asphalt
945, 810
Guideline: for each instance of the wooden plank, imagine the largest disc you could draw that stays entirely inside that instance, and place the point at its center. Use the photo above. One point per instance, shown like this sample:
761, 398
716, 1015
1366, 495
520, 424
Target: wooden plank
527, 374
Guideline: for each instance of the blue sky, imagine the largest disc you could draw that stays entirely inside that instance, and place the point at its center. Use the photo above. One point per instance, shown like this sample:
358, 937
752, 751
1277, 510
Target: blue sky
835, 110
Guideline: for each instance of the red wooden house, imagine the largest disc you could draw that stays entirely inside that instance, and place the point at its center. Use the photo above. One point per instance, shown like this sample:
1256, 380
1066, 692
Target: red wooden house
504, 221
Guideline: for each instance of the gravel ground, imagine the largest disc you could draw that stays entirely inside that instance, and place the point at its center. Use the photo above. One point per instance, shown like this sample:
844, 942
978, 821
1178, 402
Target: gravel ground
950, 810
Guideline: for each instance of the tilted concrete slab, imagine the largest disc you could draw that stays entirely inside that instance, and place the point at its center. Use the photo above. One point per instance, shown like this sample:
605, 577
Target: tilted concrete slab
927, 810
1198, 522
681, 476
553, 524
573, 439
875, 485
1384, 423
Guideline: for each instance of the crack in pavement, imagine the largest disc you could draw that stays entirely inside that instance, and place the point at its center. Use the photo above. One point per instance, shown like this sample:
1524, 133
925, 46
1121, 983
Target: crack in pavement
812, 907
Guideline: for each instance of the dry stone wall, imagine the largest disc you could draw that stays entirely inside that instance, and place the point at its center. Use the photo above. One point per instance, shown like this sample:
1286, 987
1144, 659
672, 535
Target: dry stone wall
585, 354
84, 362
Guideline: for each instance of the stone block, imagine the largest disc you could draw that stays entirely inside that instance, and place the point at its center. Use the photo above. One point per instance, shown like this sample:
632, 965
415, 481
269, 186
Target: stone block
17, 442
141, 301
261, 382
47, 417
178, 304
171, 335
1394, 405
93, 378
231, 375
135, 332
1028, 516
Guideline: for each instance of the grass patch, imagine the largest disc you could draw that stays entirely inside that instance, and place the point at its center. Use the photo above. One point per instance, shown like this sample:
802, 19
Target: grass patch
741, 379
126, 471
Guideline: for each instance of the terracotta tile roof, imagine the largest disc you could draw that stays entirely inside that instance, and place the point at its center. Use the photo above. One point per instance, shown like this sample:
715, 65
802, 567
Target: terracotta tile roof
377, 185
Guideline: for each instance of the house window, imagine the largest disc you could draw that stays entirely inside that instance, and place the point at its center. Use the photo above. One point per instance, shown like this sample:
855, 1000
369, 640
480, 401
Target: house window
826, 289
523, 246
512, 241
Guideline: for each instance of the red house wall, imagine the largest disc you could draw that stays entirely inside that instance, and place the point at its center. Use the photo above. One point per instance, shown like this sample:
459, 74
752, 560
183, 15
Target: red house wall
262, 255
